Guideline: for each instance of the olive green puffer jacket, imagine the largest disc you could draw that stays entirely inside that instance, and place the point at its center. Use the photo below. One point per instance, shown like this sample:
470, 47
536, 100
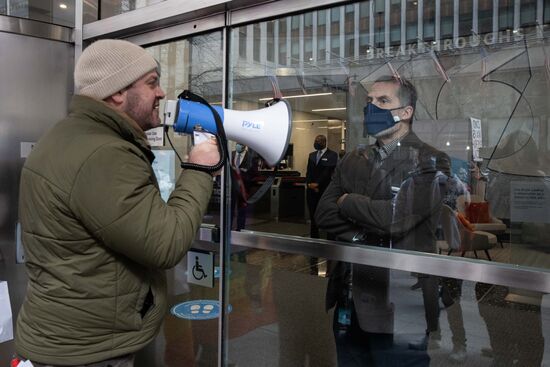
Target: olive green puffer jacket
98, 237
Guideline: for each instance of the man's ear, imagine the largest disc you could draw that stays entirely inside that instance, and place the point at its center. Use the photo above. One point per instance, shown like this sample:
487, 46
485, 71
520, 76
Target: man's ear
407, 113
119, 98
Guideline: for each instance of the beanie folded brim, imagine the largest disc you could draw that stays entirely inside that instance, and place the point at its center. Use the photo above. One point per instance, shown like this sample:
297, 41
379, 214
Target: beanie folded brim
120, 79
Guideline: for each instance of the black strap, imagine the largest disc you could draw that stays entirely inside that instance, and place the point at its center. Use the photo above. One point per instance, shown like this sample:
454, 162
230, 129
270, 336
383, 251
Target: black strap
220, 136
263, 189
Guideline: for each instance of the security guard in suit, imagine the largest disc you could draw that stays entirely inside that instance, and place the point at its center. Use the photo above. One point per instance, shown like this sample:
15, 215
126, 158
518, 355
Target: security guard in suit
320, 165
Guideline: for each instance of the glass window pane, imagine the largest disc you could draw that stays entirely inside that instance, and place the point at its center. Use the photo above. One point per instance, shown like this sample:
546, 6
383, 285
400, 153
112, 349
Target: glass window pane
283, 55
90, 11
429, 20
308, 37
485, 17
193, 64
295, 40
257, 42
330, 101
506, 14
321, 35
349, 27
412, 21
395, 22
242, 41
59, 12
447, 18
410, 319
364, 33
110, 8
528, 12
379, 27
270, 41
334, 33
465, 8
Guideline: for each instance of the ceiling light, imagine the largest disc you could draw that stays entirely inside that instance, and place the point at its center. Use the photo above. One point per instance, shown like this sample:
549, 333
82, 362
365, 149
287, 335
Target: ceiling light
63, 6
299, 96
448, 143
467, 147
329, 109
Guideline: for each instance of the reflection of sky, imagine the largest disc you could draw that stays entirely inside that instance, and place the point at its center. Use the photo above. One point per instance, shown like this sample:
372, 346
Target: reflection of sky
165, 171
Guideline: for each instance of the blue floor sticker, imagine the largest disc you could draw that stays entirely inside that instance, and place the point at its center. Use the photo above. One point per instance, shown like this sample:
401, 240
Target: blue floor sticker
198, 310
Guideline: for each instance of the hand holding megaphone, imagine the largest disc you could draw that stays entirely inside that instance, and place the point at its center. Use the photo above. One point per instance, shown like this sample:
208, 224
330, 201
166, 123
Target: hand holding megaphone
205, 154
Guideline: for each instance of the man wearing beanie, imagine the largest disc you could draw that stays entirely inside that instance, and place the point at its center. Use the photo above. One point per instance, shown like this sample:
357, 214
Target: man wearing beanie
96, 233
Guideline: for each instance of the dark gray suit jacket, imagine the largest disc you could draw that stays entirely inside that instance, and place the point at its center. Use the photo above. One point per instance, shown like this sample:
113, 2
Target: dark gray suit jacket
366, 217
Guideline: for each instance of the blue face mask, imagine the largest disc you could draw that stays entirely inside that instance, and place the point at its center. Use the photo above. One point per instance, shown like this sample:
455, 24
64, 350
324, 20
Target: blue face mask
378, 119
239, 148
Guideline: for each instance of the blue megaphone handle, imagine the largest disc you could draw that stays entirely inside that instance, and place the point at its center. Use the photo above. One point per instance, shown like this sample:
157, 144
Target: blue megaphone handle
191, 114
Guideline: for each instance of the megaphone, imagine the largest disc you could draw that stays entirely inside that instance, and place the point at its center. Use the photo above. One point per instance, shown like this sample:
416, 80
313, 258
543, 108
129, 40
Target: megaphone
266, 131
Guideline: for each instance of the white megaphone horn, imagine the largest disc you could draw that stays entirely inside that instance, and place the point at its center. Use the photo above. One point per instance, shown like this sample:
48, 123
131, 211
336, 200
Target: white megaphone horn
266, 131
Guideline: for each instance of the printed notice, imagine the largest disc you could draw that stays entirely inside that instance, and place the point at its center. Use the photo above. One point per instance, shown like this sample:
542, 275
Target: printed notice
26, 148
164, 168
530, 202
155, 136
477, 140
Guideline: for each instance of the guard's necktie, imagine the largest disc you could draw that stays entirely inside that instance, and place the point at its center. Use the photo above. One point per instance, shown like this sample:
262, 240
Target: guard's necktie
319, 155
238, 160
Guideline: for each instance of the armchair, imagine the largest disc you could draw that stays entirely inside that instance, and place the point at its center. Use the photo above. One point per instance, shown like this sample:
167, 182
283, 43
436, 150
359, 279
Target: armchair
477, 212
459, 238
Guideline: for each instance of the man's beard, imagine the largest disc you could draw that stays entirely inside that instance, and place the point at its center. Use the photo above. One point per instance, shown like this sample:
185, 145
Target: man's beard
138, 113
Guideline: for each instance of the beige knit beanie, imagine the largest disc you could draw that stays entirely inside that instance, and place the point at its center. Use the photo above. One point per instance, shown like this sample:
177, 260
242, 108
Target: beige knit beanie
108, 66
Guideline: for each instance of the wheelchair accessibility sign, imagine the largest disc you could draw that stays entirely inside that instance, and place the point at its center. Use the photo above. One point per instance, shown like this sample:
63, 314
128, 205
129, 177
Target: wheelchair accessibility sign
200, 268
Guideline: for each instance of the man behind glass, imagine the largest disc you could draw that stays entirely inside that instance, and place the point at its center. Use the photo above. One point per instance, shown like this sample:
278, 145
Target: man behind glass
358, 207
320, 166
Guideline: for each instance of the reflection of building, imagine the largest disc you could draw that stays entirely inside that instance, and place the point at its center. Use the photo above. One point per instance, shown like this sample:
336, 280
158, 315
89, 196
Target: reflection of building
329, 50
354, 31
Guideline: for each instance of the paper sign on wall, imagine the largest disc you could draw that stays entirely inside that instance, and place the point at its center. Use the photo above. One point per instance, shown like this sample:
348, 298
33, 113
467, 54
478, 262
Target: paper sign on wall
530, 202
165, 170
155, 136
476, 138
26, 148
